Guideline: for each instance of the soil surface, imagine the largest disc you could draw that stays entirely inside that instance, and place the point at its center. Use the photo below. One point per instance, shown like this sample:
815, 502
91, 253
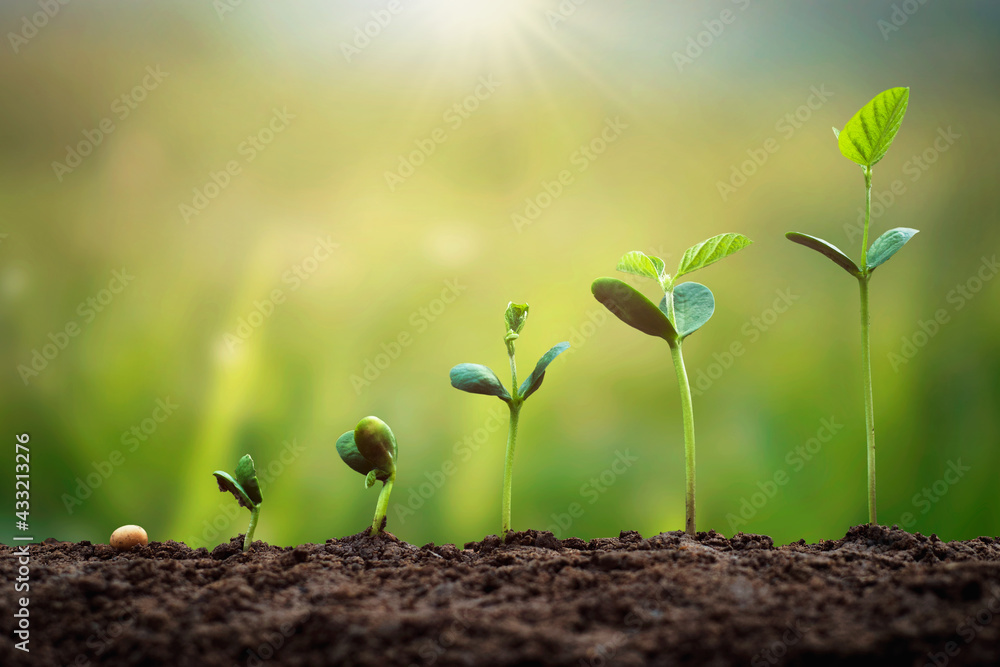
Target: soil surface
879, 596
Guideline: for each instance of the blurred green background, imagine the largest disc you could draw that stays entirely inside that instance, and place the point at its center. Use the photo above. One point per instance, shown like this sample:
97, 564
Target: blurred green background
220, 155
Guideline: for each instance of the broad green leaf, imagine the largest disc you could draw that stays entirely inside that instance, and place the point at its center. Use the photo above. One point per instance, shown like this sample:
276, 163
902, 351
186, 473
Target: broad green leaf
246, 475
887, 245
639, 264
631, 307
866, 138
534, 381
375, 442
828, 249
227, 483
348, 451
693, 306
516, 316
710, 251
478, 379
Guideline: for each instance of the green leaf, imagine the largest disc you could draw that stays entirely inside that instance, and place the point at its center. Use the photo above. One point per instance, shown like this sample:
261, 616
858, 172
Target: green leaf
887, 245
639, 264
370, 479
478, 379
246, 475
828, 249
375, 442
348, 451
227, 483
693, 306
534, 381
631, 307
866, 138
710, 251
516, 316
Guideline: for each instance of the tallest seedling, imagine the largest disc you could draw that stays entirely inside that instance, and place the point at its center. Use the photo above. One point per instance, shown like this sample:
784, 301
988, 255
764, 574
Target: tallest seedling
865, 140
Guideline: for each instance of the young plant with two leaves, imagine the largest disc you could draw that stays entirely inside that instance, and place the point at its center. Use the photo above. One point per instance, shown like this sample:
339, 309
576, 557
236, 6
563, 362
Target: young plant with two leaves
479, 379
684, 308
865, 140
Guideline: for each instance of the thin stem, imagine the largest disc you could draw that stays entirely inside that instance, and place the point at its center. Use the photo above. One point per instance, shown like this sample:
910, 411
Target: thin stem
868, 215
254, 515
866, 371
508, 468
378, 523
688, 413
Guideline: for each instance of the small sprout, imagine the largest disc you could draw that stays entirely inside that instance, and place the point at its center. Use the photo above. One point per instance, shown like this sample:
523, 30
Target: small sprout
684, 309
247, 491
478, 379
865, 140
370, 449
126, 537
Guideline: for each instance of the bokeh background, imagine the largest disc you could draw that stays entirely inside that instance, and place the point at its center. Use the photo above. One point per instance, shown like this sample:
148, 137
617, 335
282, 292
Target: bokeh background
308, 114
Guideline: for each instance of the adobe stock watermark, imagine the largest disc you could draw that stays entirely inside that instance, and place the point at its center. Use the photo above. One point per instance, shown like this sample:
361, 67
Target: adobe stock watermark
229, 511
421, 320
752, 330
787, 125
462, 452
698, 43
969, 629
294, 277
88, 310
591, 491
930, 495
900, 14
795, 459
131, 439
33, 24
914, 168
580, 159
778, 649
364, 34
958, 298
562, 12
453, 117
248, 150
121, 108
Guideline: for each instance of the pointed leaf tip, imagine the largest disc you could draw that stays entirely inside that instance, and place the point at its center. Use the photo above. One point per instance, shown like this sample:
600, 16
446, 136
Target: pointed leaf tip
827, 249
888, 245
478, 379
710, 251
639, 264
866, 137
534, 381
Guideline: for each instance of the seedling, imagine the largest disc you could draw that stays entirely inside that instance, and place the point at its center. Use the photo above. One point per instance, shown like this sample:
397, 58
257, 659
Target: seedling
370, 449
682, 311
247, 491
865, 140
479, 379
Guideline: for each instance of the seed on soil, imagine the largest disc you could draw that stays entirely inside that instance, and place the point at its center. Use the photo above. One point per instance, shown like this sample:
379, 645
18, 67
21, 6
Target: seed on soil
126, 537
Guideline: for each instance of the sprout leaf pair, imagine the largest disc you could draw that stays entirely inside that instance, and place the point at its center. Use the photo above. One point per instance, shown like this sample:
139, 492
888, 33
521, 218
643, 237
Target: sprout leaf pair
479, 379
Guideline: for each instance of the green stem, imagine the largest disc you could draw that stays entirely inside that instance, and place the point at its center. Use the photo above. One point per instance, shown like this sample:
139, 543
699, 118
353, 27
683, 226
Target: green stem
248, 540
508, 469
866, 354
688, 413
378, 523
866, 371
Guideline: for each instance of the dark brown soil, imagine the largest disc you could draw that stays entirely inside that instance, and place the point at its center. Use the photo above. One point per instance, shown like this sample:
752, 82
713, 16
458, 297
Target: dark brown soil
878, 596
